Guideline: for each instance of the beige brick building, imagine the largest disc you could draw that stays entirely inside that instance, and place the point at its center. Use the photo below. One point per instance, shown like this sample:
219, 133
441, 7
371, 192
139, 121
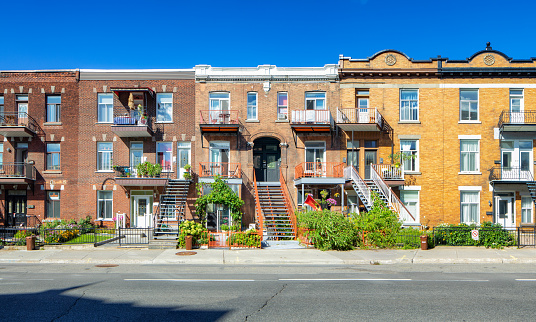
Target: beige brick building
468, 122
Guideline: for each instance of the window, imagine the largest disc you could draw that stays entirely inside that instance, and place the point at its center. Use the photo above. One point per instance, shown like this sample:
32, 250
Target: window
409, 105
314, 151
53, 204
22, 108
282, 105
469, 206
371, 143
352, 153
164, 111
315, 101
526, 210
104, 204
252, 106
468, 105
164, 151
410, 199
53, 108
410, 148
469, 156
53, 156
516, 100
104, 156
1, 155
105, 108
219, 101
1, 105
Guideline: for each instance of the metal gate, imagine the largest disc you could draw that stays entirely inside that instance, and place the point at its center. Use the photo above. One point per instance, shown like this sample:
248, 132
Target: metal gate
135, 236
526, 236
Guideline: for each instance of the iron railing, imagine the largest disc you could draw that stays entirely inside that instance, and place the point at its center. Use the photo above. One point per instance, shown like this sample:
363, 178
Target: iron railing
311, 117
319, 170
223, 169
17, 170
134, 236
524, 117
510, 174
132, 172
393, 201
389, 171
288, 203
350, 173
218, 117
19, 119
359, 116
258, 210
57, 236
526, 236
131, 118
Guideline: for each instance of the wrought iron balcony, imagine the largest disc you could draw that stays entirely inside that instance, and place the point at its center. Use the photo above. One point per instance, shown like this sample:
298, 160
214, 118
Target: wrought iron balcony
517, 121
319, 170
359, 119
17, 172
509, 174
132, 124
222, 169
311, 120
17, 124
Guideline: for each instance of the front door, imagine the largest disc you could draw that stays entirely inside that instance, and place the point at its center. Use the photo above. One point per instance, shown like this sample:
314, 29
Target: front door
266, 159
183, 152
142, 213
219, 159
21, 157
16, 207
504, 211
136, 156
370, 158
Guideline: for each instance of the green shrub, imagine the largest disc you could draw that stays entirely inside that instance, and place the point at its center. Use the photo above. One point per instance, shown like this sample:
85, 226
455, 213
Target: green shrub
192, 228
247, 238
490, 235
20, 236
377, 227
329, 230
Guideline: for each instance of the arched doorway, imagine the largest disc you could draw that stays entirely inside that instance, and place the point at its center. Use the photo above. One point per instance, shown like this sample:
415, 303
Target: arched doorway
266, 159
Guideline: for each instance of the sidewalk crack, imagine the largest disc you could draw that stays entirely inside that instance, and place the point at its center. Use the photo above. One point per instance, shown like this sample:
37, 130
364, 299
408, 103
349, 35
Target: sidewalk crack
267, 301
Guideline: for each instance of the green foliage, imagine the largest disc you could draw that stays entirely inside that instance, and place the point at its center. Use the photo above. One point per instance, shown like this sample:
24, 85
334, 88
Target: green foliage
490, 235
399, 157
21, 235
221, 194
196, 230
379, 226
224, 227
248, 238
147, 169
329, 230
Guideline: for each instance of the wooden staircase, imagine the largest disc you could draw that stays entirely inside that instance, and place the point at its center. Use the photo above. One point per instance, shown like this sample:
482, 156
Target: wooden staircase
172, 208
276, 215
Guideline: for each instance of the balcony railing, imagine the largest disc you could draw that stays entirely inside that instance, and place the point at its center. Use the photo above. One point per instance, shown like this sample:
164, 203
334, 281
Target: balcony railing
18, 119
510, 174
130, 118
132, 172
389, 171
222, 169
311, 117
218, 117
359, 116
319, 170
17, 170
525, 117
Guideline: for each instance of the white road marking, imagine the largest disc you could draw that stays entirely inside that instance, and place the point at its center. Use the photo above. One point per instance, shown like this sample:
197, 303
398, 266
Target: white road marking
184, 280
32, 279
526, 279
451, 280
345, 279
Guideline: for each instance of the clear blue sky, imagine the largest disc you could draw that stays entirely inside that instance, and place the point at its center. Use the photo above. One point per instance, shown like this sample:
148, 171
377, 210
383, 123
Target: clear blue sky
181, 34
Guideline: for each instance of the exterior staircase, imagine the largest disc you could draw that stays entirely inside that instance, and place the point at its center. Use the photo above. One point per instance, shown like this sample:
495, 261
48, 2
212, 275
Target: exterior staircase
532, 189
276, 218
172, 209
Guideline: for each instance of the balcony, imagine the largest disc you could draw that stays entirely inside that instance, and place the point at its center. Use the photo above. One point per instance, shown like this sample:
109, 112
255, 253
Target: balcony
319, 173
17, 124
17, 173
223, 169
394, 176
510, 175
131, 125
311, 121
518, 121
359, 119
218, 121
128, 176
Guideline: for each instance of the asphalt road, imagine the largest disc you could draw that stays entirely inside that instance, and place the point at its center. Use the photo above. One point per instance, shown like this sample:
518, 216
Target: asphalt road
267, 293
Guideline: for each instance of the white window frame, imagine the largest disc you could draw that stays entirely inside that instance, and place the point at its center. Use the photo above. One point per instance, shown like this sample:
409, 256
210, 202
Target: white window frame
520, 97
104, 154
477, 105
164, 106
476, 156
252, 108
525, 210
418, 205
470, 189
50, 164
107, 116
314, 148
219, 99
56, 109
409, 107
280, 115
106, 202
415, 152
1, 155
315, 99
168, 153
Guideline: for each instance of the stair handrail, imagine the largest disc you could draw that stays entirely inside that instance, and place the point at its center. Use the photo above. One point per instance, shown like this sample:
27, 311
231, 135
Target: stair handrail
350, 172
157, 215
288, 203
260, 218
392, 199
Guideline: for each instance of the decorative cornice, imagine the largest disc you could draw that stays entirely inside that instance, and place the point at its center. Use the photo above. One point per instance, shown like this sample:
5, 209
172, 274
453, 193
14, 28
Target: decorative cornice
389, 73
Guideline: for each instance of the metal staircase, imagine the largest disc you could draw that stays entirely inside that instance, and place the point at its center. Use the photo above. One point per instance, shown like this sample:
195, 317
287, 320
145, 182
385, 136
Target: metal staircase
532, 189
172, 208
276, 216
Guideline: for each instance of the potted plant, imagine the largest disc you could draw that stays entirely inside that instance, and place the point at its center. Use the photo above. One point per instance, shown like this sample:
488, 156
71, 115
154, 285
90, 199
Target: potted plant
400, 157
157, 170
143, 169
187, 175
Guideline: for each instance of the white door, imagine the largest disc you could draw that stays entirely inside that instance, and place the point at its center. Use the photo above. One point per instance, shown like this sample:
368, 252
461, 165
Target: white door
364, 114
507, 165
136, 156
184, 154
142, 212
504, 211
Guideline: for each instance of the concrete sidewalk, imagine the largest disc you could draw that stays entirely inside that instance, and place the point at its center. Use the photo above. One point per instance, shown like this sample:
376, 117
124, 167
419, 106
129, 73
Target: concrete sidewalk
108, 255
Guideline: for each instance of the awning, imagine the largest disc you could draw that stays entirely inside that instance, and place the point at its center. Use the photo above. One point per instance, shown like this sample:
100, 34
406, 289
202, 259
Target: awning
117, 90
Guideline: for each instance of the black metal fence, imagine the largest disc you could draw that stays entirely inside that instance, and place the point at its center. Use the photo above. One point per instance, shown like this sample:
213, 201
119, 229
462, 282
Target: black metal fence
135, 236
526, 236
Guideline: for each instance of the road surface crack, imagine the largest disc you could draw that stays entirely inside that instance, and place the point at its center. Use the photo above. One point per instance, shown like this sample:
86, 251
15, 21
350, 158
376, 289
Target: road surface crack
267, 301
70, 307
